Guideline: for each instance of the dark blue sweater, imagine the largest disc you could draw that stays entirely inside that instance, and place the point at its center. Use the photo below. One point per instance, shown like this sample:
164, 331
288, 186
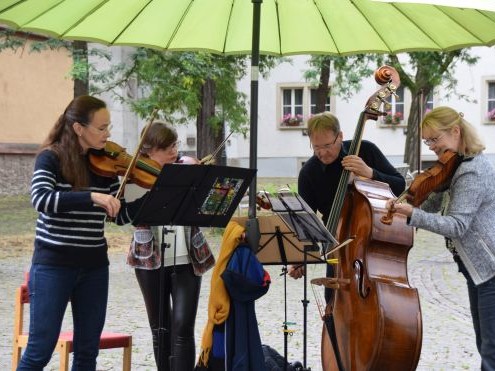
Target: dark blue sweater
318, 183
70, 228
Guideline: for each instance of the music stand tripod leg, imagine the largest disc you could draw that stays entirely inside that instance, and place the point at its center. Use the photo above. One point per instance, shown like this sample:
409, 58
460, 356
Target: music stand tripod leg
280, 242
162, 331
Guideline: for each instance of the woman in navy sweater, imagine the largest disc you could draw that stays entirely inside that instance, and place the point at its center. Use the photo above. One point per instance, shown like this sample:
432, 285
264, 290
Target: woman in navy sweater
70, 262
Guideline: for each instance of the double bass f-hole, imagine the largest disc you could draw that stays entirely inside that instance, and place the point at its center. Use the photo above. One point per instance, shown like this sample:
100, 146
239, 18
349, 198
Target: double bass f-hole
363, 288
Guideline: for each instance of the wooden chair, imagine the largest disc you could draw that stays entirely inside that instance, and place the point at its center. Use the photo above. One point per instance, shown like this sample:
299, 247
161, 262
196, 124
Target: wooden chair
64, 345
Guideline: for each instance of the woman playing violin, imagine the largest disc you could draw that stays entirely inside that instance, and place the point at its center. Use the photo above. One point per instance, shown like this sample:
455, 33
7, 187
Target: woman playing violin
467, 219
70, 261
182, 278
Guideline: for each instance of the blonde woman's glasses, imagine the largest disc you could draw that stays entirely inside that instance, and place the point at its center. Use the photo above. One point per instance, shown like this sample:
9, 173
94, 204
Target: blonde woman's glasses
434, 140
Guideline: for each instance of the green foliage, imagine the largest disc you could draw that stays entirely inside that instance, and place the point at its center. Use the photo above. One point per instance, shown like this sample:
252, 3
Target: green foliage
172, 82
423, 71
349, 71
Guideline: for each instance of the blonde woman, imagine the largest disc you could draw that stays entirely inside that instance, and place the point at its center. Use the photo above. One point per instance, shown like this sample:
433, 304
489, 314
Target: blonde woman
467, 219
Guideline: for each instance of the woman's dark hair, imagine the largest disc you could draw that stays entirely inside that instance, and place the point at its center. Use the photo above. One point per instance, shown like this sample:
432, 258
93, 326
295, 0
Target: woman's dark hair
160, 135
63, 140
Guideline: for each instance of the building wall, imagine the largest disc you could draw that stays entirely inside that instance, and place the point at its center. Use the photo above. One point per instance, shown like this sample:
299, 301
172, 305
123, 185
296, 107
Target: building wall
34, 90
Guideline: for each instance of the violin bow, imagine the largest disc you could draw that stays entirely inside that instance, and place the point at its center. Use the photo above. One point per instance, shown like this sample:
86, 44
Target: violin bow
210, 159
124, 179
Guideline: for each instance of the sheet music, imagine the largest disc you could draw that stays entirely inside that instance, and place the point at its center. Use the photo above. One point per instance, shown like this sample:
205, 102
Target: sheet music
297, 214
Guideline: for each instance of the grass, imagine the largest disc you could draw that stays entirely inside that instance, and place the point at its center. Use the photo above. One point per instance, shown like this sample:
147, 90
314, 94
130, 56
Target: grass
17, 216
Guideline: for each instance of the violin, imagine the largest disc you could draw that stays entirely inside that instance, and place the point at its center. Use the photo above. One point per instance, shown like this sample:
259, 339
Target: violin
113, 161
434, 179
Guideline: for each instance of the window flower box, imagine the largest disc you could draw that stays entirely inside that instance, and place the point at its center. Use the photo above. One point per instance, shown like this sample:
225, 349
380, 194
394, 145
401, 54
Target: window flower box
291, 120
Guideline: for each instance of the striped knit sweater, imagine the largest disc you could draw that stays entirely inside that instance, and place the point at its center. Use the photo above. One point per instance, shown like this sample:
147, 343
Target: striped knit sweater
70, 228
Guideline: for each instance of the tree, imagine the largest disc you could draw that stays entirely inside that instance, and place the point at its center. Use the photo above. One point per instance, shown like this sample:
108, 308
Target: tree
186, 86
420, 73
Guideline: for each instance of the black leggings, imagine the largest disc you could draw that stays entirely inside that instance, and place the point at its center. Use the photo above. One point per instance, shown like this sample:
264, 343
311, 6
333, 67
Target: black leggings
181, 290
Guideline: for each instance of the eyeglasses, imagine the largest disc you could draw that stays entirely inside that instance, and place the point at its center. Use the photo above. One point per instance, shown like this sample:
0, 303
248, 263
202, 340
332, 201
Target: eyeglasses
174, 145
325, 147
434, 140
101, 130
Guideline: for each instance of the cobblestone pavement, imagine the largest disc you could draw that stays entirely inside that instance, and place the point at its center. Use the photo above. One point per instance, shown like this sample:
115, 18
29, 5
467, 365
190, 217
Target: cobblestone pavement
448, 337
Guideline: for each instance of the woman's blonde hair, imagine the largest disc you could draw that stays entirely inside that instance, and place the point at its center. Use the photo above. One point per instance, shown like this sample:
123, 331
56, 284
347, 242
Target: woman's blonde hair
322, 122
444, 119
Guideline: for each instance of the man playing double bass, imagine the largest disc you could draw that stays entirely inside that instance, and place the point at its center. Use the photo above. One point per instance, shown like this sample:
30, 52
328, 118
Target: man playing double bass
319, 177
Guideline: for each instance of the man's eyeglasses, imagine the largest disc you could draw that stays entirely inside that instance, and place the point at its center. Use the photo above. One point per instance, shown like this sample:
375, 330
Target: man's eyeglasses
434, 140
323, 146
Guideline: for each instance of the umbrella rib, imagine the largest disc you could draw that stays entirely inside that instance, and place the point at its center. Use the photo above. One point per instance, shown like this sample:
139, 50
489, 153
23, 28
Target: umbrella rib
228, 25
179, 23
278, 29
86, 16
464, 28
129, 23
326, 26
384, 41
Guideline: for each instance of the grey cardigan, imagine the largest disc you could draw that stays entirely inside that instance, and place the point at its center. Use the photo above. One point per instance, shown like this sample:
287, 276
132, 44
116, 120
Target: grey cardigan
469, 219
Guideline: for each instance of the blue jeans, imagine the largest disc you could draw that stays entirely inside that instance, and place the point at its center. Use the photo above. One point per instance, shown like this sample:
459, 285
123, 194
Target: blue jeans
482, 303
50, 290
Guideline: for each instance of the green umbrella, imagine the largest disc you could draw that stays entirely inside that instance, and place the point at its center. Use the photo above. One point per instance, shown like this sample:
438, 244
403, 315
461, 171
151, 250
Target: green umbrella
287, 26
276, 27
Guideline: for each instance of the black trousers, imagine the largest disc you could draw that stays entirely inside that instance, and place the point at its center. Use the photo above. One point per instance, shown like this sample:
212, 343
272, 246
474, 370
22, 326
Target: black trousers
181, 292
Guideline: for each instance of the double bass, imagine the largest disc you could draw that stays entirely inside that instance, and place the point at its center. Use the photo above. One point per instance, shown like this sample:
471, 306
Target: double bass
373, 321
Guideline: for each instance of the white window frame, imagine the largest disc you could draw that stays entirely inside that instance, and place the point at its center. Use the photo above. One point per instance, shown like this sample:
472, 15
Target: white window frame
306, 103
406, 106
485, 99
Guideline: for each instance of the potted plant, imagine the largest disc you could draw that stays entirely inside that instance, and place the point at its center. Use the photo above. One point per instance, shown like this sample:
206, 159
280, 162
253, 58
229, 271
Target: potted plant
491, 115
393, 119
292, 120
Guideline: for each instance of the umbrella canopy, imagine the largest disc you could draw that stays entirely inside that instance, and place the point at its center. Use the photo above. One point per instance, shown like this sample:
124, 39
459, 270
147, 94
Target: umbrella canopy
472, 4
287, 26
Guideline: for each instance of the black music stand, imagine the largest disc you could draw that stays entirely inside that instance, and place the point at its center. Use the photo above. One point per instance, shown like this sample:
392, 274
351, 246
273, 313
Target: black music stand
202, 196
308, 228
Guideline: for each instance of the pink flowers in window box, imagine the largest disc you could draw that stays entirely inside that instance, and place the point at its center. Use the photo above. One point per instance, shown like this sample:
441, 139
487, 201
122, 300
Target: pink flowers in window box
292, 120
393, 119
491, 115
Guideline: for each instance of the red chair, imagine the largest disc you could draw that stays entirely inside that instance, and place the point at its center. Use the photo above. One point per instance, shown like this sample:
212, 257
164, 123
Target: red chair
64, 345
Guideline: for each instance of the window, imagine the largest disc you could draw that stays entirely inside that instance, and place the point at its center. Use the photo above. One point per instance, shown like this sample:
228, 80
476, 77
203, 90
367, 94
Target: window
296, 102
398, 101
293, 102
397, 109
488, 100
491, 96
313, 102
429, 102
